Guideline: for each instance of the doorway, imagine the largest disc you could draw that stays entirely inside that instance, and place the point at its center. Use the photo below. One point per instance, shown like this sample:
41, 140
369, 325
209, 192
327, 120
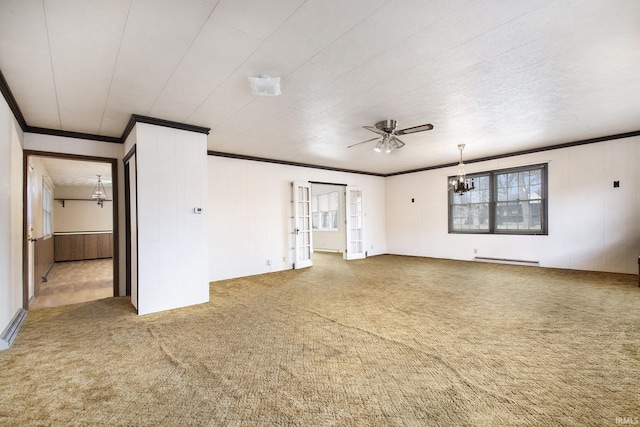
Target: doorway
338, 219
328, 217
70, 238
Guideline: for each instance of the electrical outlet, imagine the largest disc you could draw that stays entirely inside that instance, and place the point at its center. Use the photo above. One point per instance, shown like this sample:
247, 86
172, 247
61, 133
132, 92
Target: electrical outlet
475, 251
268, 262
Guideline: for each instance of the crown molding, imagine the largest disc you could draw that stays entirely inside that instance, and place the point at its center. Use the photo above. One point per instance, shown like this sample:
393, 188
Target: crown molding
136, 118
11, 101
428, 168
288, 163
530, 151
69, 134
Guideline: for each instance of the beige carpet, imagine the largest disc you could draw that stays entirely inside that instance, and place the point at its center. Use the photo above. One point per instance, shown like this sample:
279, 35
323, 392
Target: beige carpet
388, 340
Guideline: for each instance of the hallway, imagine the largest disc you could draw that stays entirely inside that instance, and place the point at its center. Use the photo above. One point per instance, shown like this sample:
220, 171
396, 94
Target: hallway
74, 282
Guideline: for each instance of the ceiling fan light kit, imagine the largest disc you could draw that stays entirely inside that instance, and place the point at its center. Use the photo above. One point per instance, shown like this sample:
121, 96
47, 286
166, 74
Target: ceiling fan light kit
388, 140
265, 86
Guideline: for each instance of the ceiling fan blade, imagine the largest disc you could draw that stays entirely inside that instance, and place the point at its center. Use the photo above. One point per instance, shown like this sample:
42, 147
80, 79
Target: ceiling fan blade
414, 129
400, 143
368, 140
376, 130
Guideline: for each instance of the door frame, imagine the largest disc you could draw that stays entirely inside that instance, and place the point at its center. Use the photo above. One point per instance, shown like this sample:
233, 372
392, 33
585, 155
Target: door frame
128, 230
114, 183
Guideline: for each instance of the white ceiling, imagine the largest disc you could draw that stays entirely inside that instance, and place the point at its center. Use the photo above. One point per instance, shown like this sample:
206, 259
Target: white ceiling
498, 75
73, 173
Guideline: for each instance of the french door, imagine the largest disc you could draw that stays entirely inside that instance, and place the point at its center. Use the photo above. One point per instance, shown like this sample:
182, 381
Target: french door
303, 236
355, 224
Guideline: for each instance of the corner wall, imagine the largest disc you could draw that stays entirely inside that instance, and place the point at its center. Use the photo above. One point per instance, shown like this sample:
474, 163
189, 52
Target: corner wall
172, 238
592, 226
11, 229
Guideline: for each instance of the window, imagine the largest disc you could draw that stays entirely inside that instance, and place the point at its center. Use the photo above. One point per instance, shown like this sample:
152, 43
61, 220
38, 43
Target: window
510, 201
46, 211
324, 214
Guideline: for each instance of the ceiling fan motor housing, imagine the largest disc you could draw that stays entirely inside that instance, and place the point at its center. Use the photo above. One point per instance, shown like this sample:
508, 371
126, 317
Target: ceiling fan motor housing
387, 125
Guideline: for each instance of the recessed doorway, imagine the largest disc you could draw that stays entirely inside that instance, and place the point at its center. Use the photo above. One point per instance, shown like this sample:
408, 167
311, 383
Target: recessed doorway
70, 235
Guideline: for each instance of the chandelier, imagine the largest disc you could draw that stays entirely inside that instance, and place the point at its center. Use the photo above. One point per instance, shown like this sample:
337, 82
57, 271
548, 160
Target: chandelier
460, 184
99, 193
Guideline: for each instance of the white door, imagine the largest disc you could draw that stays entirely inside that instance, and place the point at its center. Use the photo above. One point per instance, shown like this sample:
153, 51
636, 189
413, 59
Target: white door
355, 224
303, 244
30, 234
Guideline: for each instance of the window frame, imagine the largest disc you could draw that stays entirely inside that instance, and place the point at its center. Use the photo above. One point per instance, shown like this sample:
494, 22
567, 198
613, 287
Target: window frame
493, 202
319, 217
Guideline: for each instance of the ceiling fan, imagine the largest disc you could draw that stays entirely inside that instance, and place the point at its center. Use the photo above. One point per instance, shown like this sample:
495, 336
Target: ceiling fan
388, 139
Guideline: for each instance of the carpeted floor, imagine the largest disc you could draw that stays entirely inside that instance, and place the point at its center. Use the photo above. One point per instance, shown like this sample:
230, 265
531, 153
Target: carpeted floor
387, 340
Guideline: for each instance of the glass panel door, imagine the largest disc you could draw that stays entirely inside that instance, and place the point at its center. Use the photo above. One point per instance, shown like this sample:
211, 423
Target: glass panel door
355, 224
302, 225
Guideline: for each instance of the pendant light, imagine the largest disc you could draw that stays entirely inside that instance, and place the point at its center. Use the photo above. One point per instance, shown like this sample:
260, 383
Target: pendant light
99, 193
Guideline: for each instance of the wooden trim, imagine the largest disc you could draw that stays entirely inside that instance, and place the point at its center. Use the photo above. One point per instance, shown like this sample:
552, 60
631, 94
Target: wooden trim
427, 168
11, 101
114, 182
127, 208
131, 152
326, 183
127, 216
67, 156
43, 260
530, 151
115, 242
127, 227
70, 134
284, 162
135, 118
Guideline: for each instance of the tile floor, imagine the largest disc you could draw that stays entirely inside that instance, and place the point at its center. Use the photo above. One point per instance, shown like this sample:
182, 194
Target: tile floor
75, 281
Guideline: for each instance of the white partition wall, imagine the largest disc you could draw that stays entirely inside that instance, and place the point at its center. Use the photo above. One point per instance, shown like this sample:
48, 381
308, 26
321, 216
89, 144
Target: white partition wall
172, 237
11, 296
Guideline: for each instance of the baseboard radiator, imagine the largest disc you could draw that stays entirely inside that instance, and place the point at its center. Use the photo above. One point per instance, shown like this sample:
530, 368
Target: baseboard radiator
508, 261
326, 250
11, 331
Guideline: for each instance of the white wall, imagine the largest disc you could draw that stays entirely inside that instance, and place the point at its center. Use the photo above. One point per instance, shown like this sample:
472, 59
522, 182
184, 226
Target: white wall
592, 226
81, 215
172, 239
85, 147
332, 240
250, 214
11, 164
